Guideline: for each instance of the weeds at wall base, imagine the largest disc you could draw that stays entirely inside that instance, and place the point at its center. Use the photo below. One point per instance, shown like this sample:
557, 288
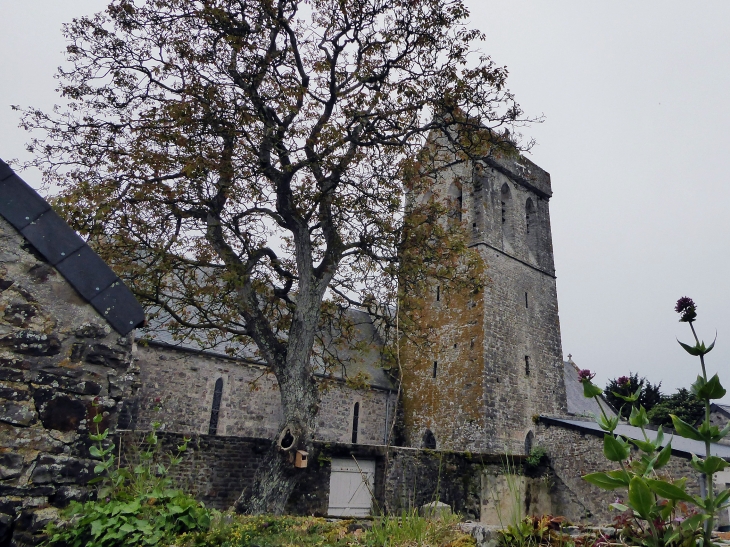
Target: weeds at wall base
406, 530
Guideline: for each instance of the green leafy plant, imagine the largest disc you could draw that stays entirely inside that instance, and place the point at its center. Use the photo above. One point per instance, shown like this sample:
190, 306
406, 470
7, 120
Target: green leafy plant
653, 501
536, 456
547, 531
135, 505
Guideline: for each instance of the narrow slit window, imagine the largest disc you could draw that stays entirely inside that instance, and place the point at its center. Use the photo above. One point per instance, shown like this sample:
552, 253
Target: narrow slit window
526, 303
216, 409
527, 365
531, 225
438, 293
355, 420
435, 368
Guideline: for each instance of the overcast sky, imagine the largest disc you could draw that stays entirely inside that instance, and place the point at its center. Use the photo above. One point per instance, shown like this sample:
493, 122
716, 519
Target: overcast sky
636, 98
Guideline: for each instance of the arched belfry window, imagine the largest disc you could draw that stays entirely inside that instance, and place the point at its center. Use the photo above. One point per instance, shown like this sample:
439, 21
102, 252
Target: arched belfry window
216, 409
505, 201
456, 202
355, 422
429, 440
531, 225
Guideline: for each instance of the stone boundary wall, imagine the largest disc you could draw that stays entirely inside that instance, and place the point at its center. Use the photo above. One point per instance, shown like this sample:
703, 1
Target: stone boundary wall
216, 469
575, 453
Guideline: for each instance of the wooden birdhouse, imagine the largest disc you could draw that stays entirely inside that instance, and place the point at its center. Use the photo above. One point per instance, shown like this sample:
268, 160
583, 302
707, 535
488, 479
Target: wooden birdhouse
300, 460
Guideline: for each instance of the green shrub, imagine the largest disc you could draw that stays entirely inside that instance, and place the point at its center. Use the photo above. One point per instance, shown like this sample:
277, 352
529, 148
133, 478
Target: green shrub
146, 519
683, 404
135, 505
536, 456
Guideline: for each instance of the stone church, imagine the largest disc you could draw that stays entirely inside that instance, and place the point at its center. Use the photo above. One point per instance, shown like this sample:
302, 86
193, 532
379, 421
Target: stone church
494, 348
492, 384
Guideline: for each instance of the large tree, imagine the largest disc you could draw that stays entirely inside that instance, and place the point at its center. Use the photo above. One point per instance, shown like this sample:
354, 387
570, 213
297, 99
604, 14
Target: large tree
243, 164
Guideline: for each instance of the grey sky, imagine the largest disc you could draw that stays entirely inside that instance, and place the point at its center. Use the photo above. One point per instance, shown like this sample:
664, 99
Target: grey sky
637, 103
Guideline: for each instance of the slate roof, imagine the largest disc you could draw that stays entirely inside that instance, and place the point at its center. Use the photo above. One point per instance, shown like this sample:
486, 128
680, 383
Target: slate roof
578, 405
724, 409
62, 247
680, 445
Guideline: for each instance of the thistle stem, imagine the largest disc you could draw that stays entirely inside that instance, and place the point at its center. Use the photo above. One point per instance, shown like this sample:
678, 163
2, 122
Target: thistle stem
709, 477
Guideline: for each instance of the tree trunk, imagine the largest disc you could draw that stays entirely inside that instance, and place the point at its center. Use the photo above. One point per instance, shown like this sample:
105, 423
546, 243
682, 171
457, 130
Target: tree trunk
274, 482
276, 477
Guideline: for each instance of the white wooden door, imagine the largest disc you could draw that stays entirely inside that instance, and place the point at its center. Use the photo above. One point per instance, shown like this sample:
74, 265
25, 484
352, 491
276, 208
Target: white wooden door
351, 485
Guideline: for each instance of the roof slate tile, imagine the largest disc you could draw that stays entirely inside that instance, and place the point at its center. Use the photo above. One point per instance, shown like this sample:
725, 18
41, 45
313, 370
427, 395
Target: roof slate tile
5, 170
19, 203
55, 239
84, 270
117, 305
87, 272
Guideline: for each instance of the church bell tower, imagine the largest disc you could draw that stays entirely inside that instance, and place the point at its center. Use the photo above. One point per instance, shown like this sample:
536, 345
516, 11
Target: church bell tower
495, 358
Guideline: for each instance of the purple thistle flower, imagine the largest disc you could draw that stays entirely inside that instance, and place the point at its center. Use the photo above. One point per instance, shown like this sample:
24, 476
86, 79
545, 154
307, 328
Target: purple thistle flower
586, 375
624, 381
687, 308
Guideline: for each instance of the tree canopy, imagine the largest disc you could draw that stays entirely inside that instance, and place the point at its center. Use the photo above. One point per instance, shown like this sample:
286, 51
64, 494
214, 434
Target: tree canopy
658, 406
243, 163
682, 404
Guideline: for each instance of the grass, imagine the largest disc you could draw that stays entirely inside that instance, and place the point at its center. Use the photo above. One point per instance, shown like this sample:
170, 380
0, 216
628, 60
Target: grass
408, 530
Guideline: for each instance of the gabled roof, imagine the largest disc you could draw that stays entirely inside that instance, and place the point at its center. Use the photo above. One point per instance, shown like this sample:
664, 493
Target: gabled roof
62, 247
723, 409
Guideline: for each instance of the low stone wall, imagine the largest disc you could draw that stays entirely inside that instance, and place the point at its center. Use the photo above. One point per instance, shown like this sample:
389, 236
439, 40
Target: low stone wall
576, 453
217, 469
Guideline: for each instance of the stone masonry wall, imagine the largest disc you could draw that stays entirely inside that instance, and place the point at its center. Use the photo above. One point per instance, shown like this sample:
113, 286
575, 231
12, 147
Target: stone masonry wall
523, 368
218, 469
184, 382
56, 354
442, 380
574, 454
